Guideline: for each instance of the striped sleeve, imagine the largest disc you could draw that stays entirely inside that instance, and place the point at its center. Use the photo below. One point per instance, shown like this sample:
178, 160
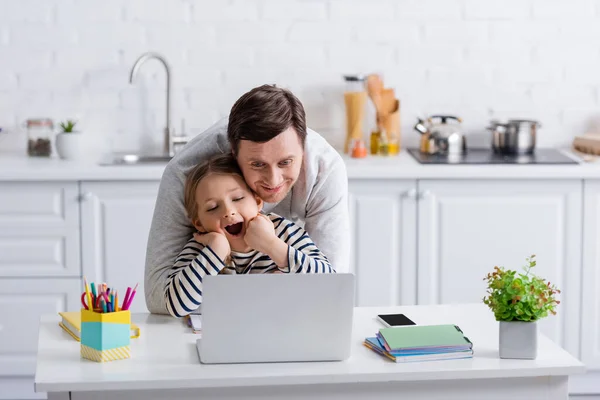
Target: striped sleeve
304, 257
183, 293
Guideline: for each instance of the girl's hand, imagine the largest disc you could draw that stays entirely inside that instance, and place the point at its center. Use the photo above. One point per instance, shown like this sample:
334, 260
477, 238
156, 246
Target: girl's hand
216, 241
260, 234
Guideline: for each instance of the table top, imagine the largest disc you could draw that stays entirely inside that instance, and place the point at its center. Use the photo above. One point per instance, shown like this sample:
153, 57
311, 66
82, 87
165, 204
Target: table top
165, 357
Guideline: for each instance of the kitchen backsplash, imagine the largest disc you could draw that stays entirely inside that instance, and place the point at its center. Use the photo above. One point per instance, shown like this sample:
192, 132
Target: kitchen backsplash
514, 58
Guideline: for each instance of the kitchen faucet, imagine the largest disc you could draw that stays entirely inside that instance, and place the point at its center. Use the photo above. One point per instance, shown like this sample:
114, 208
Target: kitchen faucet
169, 138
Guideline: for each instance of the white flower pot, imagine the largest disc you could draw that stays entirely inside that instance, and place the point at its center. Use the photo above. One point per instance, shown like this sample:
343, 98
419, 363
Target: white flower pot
70, 146
518, 339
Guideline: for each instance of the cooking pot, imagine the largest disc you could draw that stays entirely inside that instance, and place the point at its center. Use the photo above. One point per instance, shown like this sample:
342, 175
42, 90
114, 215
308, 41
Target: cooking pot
441, 134
517, 136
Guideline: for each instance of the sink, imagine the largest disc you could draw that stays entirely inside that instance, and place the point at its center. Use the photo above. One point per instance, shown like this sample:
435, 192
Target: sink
135, 159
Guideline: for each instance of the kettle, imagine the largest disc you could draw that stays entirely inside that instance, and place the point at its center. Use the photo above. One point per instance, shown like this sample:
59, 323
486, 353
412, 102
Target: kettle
441, 134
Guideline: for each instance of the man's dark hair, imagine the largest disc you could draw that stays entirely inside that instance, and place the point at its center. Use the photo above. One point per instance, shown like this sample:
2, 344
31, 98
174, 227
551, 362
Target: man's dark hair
263, 113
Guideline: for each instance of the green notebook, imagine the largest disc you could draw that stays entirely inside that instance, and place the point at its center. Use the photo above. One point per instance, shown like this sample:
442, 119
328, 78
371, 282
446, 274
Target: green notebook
425, 336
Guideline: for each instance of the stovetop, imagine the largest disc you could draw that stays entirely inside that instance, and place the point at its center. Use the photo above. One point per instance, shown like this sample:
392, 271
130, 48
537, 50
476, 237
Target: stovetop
487, 156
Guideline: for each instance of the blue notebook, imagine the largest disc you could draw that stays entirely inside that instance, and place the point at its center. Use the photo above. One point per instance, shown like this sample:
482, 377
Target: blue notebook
374, 344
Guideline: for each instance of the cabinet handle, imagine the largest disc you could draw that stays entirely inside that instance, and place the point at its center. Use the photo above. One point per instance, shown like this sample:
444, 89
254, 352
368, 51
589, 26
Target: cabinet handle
411, 194
85, 196
424, 193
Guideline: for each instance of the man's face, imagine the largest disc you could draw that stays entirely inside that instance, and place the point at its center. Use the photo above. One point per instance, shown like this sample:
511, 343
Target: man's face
272, 168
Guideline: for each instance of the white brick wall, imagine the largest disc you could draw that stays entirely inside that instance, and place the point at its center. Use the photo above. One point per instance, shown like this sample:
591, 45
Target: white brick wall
515, 58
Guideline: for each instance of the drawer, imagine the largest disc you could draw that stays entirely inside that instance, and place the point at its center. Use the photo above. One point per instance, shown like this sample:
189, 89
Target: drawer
34, 204
22, 303
39, 229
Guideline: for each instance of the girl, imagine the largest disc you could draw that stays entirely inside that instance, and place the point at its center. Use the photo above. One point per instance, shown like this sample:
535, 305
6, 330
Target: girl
233, 236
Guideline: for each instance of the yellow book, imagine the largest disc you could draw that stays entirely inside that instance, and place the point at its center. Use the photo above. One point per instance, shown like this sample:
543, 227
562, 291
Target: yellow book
71, 323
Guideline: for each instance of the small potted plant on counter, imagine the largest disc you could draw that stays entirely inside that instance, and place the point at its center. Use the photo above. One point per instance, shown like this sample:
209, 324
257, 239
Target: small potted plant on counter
518, 302
68, 141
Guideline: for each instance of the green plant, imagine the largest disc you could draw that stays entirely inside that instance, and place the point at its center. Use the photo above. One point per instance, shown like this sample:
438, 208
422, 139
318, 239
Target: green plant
522, 297
68, 126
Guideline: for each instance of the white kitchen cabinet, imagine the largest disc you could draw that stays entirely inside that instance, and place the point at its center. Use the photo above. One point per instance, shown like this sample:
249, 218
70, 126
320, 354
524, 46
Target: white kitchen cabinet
590, 307
383, 254
39, 229
115, 222
468, 227
22, 303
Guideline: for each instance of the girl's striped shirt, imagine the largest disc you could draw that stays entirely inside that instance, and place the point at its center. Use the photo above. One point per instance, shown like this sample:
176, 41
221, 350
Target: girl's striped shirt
183, 293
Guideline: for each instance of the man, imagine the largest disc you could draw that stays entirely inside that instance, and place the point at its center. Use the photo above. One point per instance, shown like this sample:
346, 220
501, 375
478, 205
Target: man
294, 170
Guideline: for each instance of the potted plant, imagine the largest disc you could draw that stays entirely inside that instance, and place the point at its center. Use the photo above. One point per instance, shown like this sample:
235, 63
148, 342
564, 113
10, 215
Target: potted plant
518, 302
68, 141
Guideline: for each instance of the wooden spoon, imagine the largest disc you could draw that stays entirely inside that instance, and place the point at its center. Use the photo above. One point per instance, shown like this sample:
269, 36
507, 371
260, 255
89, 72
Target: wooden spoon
374, 88
388, 102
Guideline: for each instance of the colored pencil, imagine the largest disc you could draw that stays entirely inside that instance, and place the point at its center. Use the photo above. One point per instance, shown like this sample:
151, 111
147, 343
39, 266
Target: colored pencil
127, 294
131, 297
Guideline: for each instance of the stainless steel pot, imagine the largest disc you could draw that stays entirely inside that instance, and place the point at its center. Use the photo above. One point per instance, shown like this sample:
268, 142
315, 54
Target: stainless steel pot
517, 136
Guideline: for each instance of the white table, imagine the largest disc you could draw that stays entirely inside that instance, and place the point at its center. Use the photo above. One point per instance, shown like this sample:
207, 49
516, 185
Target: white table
165, 365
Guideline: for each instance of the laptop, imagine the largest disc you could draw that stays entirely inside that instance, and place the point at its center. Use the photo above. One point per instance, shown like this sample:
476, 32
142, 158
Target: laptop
258, 318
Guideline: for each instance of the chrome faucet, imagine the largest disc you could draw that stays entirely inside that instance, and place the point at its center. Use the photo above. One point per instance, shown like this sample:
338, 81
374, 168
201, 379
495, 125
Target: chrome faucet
169, 138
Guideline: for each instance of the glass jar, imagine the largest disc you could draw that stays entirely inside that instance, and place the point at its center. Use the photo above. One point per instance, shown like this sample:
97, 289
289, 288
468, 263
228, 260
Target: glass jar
355, 99
374, 143
40, 133
384, 145
394, 146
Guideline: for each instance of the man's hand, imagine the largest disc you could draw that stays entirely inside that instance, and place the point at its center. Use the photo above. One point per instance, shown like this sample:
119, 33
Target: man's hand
216, 241
260, 234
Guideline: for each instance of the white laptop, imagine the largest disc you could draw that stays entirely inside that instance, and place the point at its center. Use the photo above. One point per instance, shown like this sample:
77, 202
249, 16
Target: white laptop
276, 318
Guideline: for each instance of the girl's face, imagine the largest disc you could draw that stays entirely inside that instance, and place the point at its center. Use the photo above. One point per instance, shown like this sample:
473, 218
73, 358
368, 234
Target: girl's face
225, 205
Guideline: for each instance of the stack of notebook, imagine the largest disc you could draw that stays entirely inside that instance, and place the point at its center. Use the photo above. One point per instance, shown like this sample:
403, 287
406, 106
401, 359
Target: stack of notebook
421, 343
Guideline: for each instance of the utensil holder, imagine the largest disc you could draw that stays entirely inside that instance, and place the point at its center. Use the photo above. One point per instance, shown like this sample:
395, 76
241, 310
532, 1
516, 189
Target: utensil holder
105, 336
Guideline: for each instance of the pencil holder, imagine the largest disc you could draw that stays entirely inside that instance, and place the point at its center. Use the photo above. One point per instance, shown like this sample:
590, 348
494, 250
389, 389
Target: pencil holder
105, 336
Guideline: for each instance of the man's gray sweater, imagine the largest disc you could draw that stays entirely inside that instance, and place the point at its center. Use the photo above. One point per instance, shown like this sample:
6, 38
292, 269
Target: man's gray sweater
318, 201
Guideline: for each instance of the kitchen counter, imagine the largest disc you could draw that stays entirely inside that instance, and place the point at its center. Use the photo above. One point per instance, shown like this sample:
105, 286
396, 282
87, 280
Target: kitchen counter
404, 166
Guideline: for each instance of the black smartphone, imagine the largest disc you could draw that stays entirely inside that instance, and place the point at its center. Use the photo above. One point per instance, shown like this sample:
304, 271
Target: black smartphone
391, 320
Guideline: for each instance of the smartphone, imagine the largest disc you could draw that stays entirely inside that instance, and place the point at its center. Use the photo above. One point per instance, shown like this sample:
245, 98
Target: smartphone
391, 320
